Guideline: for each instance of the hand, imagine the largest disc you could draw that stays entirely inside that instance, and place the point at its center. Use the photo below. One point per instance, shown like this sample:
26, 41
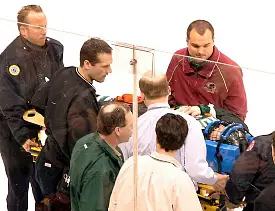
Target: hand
184, 109
231, 206
191, 110
221, 182
28, 144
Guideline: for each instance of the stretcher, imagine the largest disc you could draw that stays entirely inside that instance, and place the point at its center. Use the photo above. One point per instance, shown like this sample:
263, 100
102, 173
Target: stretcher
221, 158
210, 200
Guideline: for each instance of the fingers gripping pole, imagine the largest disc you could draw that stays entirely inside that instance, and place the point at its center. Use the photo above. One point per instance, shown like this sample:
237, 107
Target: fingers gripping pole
135, 117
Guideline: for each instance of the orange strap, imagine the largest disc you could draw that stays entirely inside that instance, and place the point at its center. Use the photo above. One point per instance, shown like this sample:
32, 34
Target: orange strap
128, 98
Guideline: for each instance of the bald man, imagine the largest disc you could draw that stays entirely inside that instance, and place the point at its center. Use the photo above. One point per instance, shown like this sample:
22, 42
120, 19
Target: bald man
192, 155
96, 159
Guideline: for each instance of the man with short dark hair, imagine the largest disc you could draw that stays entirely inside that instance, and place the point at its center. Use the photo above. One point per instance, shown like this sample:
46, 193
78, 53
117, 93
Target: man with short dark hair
25, 65
71, 111
197, 83
162, 183
96, 159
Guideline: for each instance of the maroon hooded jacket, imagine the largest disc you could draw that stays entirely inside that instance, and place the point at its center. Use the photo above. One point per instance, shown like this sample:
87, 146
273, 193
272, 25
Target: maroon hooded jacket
218, 84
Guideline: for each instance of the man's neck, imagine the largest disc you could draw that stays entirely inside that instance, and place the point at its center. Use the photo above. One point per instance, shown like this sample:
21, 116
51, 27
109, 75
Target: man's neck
162, 151
82, 73
109, 140
32, 45
159, 100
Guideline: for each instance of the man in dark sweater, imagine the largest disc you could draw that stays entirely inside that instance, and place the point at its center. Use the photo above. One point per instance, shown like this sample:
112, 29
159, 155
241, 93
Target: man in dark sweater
70, 112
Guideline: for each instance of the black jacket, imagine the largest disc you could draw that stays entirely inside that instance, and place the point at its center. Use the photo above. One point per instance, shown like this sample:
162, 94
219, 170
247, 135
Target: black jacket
70, 113
266, 200
253, 171
24, 67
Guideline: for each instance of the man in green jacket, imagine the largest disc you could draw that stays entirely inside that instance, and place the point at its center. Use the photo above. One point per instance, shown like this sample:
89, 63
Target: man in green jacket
96, 159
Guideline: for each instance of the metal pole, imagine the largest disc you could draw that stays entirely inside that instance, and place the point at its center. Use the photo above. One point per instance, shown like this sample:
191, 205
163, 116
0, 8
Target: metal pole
135, 132
153, 64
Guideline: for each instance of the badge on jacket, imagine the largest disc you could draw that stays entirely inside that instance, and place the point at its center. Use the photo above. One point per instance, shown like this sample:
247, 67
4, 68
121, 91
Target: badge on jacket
14, 70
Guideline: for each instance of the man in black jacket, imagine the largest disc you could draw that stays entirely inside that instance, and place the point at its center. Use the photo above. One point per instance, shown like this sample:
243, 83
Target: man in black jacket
266, 200
70, 112
26, 64
252, 172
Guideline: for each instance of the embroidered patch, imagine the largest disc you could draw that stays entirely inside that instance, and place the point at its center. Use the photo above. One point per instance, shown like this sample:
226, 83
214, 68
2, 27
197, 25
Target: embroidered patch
14, 70
48, 165
250, 147
211, 87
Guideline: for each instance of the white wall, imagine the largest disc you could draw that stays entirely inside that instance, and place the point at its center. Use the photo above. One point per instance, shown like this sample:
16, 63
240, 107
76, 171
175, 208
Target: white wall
243, 32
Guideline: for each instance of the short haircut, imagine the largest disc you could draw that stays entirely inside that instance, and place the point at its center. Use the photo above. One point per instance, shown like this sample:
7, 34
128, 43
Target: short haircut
112, 115
171, 130
23, 13
91, 48
200, 26
154, 87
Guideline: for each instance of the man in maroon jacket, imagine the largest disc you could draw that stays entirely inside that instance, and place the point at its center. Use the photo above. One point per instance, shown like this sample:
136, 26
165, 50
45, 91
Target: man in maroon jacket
197, 83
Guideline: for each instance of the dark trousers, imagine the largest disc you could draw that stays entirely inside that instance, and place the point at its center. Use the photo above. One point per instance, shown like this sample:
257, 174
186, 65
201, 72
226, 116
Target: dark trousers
47, 174
19, 167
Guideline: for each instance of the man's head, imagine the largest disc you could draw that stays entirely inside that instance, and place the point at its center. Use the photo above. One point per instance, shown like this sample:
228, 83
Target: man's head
96, 59
154, 87
36, 31
273, 146
171, 130
115, 120
228, 133
200, 40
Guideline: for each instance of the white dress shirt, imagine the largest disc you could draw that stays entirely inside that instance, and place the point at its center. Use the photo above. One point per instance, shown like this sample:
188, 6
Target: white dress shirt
192, 155
162, 186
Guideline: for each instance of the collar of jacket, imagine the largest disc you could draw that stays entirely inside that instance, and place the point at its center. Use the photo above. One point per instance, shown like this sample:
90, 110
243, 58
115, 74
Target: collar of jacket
109, 151
34, 47
158, 105
207, 69
166, 158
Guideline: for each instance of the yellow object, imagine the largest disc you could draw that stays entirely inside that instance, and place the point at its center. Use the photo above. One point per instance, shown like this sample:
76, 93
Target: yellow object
34, 117
208, 207
210, 199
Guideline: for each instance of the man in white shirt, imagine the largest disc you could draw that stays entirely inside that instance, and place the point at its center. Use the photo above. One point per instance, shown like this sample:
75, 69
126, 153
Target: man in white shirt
192, 155
162, 184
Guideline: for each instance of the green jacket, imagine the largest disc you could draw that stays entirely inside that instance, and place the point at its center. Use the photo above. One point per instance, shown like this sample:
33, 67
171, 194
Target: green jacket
93, 171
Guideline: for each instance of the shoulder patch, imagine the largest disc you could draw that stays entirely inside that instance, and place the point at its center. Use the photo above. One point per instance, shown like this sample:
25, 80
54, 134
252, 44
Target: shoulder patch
14, 70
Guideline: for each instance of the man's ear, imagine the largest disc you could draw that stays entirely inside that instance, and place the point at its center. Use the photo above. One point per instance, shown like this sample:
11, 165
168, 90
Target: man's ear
86, 64
23, 31
117, 130
142, 95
